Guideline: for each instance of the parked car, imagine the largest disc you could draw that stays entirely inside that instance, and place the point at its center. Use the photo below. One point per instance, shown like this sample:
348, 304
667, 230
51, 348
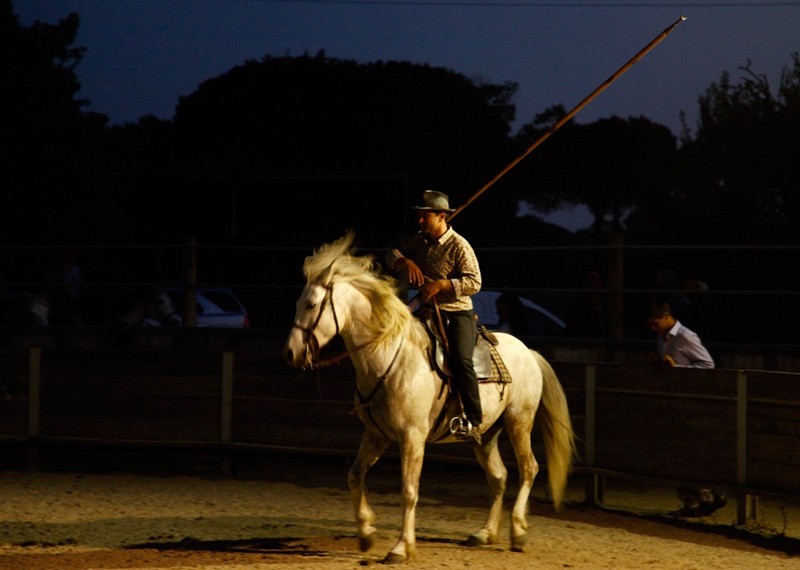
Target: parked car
214, 307
526, 317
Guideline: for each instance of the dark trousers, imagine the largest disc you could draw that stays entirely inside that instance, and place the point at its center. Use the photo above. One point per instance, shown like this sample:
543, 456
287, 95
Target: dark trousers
462, 332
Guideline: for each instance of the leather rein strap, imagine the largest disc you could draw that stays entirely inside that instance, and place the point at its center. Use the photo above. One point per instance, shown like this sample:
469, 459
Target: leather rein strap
312, 343
364, 401
312, 353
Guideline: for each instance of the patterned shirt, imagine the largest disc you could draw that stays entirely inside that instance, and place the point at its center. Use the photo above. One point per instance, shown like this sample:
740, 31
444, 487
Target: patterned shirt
449, 257
685, 347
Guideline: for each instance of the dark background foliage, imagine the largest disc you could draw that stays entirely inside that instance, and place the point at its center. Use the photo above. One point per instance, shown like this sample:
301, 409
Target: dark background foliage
325, 122
293, 151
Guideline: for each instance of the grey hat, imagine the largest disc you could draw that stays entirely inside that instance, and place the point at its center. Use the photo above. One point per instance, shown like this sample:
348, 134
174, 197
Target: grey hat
435, 201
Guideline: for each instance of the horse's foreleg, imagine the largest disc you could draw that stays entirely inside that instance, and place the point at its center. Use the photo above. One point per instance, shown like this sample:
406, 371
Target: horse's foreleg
520, 435
412, 450
488, 456
369, 451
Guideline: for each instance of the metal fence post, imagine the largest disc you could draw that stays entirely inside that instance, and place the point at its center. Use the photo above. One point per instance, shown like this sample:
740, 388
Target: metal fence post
594, 487
226, 417
616, 285
34, 406
190, 282
746, 505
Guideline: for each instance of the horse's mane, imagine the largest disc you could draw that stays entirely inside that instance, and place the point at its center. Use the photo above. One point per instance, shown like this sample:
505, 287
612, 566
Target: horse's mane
335, 262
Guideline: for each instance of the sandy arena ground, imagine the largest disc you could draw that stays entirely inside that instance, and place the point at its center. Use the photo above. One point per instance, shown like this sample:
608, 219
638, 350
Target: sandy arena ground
296, 514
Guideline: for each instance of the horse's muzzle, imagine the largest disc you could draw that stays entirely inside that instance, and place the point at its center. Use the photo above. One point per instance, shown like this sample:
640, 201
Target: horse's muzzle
298, 351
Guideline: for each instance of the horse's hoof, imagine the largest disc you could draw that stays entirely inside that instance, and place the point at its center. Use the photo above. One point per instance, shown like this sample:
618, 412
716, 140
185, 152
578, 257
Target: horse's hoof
518, 543
393, 558
365, 543
480, 538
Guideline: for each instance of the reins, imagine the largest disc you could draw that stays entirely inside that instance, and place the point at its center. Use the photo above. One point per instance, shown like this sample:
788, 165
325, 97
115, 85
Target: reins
363, 402
310, 339
313, 355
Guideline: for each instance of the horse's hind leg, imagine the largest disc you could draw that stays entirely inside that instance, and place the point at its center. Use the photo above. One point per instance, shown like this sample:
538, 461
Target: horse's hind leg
488, 456
369, 451
519, 433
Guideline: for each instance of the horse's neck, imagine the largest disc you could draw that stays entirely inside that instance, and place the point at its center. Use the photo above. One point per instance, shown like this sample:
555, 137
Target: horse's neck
369, 359
372, 360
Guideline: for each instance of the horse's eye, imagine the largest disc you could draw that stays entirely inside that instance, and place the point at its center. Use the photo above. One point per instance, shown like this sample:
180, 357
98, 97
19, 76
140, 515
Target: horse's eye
310, 305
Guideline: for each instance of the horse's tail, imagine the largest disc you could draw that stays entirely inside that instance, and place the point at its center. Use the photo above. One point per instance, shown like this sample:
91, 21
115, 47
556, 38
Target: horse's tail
557, 430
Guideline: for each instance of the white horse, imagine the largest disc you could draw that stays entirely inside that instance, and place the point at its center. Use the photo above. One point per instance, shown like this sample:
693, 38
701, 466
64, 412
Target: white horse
148, 306
401, 399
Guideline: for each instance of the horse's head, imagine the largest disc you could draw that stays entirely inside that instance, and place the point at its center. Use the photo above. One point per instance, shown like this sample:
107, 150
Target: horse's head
40, 310
315, 324
315, 319
345, 294
161, 310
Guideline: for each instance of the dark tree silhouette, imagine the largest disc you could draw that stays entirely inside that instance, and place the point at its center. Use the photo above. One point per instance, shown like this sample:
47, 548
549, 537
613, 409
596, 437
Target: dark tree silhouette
46, 140
610, 165
742, 164
277, 125
318, 114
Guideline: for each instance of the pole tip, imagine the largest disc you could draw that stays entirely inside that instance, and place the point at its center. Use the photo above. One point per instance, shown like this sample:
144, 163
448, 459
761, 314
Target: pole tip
683, 17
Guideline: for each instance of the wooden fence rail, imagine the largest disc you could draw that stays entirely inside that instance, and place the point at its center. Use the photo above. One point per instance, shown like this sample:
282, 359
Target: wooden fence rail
734, 429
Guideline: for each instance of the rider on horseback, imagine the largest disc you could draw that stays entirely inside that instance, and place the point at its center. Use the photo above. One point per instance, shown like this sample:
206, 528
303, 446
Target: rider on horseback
443, 266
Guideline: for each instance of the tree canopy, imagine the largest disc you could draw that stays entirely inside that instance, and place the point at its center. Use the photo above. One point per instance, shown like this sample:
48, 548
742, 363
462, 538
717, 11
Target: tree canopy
610, 166
281, 118
317, 114
743, 165
48, 142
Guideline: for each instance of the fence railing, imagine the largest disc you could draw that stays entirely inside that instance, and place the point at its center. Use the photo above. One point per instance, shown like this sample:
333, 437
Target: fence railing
738, 293
734, 429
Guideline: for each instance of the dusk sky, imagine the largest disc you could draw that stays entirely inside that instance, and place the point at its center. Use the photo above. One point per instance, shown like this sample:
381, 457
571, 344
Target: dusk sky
142, 55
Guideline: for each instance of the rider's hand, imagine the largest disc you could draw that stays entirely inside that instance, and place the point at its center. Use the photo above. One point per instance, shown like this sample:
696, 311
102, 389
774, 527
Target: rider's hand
412, 271
433, 288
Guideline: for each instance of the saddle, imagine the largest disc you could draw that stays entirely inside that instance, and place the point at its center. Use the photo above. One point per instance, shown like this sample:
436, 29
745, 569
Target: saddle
489, 366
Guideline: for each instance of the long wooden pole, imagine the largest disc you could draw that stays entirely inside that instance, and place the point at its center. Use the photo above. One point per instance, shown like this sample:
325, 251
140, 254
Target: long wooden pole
571, 114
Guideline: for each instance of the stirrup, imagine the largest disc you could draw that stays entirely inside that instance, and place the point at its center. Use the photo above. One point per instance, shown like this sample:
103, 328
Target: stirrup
460, 425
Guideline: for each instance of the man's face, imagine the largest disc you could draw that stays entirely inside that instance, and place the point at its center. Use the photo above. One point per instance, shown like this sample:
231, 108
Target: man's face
432, 223
660, 323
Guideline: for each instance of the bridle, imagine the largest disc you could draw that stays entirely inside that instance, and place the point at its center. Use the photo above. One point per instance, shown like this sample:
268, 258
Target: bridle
313, 354
310, 340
